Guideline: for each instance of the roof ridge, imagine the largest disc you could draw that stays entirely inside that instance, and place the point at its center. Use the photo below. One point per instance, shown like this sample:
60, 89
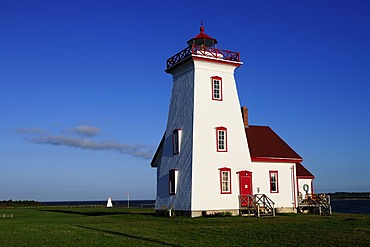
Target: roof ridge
264, 143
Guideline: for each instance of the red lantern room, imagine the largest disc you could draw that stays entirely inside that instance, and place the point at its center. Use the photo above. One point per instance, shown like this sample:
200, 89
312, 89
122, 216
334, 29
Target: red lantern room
202, 45
202, 39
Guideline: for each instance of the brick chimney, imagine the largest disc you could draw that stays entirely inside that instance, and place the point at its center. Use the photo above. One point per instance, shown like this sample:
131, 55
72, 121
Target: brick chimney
245, 115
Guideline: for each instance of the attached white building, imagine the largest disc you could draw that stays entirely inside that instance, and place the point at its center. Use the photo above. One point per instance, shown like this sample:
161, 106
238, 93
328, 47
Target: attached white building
209, 155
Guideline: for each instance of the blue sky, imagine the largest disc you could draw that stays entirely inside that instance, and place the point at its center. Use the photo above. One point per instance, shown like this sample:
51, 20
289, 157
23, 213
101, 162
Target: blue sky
84, 96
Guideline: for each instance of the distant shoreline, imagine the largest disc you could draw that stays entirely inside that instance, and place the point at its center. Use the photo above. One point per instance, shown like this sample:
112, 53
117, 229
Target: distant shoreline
95, 203
99, 203
350, 199
349, 196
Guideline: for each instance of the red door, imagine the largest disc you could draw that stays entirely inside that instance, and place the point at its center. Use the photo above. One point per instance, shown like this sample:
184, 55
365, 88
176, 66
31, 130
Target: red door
245, 183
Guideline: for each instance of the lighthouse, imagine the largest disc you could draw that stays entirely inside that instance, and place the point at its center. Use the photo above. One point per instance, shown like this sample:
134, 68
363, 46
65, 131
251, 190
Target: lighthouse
204, 144
210, 158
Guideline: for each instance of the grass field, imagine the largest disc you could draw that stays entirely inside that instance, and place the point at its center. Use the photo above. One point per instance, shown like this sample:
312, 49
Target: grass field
57, 226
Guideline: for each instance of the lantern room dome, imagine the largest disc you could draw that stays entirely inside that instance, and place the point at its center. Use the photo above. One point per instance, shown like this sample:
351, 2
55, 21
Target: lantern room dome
202, 39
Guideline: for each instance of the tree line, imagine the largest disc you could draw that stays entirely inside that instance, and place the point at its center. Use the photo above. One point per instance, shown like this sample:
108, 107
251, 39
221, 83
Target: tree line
11, 203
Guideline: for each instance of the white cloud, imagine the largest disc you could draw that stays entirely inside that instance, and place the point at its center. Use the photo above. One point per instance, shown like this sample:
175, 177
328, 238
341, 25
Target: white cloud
85, 130
40, 136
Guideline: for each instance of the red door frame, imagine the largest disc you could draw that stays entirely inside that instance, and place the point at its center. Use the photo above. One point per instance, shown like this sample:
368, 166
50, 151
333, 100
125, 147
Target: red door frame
242, 174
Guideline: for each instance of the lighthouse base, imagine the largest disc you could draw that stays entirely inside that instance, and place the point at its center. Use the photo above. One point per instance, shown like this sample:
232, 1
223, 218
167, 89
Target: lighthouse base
197, 213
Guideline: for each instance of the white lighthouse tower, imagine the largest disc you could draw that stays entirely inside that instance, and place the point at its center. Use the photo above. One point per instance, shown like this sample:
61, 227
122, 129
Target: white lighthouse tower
204, 145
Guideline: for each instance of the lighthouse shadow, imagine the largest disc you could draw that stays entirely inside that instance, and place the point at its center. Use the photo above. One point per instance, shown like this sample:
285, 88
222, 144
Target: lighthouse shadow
148, 240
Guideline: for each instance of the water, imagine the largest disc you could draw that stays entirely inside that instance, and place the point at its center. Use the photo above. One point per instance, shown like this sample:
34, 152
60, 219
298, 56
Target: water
122, 203
351, 206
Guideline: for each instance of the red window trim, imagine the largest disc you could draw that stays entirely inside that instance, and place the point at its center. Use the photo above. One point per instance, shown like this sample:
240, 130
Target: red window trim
213, 78
277, 181
176, 146
225, 169
221, 128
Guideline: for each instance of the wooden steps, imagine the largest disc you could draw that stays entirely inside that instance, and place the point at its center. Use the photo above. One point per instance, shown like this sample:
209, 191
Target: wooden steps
256, 205
315, 204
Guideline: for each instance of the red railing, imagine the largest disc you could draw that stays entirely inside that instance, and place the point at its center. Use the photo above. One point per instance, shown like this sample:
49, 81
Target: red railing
203, 51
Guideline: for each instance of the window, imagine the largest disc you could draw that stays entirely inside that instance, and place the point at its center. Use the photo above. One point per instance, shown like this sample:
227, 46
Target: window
172, 179
274, 186
176, 141
221, 139
216, 88
225, 180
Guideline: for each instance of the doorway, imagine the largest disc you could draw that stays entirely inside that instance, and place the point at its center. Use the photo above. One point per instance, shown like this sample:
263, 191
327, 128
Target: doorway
245, 186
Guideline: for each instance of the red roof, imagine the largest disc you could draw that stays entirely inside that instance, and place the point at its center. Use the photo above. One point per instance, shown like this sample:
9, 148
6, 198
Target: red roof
203, 38
302, 172
202, 34
265, 145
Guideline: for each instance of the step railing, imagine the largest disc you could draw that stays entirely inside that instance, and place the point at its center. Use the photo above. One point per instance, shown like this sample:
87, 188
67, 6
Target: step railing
258, 205
315, 203
265, 204
246, 203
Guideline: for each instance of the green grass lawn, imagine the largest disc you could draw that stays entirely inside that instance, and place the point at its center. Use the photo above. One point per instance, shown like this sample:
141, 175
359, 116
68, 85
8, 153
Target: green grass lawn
57, 226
